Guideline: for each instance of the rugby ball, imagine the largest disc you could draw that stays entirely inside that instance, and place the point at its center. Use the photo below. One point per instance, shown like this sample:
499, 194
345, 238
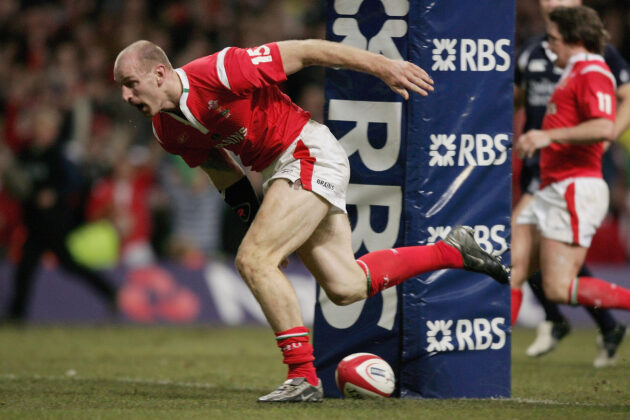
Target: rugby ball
365, 375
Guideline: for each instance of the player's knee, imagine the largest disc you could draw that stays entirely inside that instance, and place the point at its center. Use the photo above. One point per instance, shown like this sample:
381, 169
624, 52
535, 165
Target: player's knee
247, 263
342, 296
555, 292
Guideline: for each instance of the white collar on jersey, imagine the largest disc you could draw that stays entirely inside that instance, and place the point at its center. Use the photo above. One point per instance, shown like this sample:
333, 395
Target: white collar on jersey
183, 106
584, 57
576, 58
551, 56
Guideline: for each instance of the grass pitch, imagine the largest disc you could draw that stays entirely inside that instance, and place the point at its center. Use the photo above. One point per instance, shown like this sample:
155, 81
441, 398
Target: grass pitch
181, 373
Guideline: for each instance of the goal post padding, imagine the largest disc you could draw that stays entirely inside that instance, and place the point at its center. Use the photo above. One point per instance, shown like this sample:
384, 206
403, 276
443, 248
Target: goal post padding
420, 167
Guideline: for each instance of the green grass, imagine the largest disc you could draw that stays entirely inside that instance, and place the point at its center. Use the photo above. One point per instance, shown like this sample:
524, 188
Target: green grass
181, 373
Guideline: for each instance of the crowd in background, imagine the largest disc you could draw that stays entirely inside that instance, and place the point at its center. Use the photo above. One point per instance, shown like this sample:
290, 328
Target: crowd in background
58, 92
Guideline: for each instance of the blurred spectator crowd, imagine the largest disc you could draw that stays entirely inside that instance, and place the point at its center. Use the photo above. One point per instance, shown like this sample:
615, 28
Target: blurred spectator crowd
58, 92
58, 95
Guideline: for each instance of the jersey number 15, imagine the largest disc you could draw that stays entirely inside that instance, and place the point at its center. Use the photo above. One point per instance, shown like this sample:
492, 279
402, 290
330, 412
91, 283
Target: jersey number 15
260, 54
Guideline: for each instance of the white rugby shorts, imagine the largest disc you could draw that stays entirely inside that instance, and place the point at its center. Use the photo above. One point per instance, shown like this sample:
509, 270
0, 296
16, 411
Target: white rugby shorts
568, 211
318, 161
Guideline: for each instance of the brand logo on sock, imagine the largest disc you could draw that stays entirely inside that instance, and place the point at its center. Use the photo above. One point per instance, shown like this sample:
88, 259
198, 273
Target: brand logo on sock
291, 346
465, 334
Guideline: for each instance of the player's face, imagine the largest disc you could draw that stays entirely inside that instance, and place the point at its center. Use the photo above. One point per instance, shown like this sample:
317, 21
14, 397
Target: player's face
546, 6
139, 87
557, 45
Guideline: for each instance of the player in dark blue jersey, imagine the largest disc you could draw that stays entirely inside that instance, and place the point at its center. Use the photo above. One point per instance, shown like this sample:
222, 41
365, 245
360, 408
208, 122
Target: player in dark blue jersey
535, 80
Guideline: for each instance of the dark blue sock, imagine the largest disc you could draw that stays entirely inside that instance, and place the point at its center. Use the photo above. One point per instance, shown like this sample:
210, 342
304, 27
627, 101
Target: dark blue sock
552, 312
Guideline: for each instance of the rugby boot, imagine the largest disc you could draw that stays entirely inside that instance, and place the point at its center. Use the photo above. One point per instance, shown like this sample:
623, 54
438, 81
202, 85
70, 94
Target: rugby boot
548, 335
475, 258
608, 343
295, 390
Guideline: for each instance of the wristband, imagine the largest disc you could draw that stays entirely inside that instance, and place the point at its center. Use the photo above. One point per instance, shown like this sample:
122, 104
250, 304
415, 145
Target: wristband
242, 198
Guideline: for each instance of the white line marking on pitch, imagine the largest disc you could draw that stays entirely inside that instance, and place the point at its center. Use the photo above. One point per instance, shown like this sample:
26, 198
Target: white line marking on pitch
73, 377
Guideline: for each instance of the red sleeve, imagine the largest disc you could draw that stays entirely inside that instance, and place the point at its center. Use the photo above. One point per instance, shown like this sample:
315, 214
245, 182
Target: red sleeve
242, 70
192, 156
596, 96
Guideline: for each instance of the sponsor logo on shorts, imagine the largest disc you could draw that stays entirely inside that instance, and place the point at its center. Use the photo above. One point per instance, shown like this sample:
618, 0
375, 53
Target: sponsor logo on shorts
325, 184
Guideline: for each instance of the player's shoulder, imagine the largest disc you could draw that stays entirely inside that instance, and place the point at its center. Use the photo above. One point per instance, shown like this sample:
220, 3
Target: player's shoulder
611, 53
532, 49
201, 63
596, 69
617, 64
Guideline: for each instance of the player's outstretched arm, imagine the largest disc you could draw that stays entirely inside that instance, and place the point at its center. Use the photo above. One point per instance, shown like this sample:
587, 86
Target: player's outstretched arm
400, 76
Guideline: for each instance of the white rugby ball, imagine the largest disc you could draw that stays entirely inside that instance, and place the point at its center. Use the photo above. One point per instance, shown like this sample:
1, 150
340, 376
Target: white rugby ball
365, 375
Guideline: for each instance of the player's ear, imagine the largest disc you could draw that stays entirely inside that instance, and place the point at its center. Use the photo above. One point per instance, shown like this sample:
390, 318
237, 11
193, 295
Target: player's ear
159, 72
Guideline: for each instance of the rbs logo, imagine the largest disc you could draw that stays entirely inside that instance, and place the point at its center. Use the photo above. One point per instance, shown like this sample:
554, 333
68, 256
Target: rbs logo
471, 55
473, 150
465, 334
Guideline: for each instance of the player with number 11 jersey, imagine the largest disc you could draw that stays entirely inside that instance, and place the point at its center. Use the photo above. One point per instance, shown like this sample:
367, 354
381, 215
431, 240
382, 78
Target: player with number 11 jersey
585, 91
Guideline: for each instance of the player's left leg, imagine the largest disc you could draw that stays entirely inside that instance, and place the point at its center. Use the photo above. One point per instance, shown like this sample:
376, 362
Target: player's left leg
560, 263
328, 255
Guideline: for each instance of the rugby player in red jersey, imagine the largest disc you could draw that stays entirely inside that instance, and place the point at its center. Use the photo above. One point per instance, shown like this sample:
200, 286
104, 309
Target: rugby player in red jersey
230, 101
554, 231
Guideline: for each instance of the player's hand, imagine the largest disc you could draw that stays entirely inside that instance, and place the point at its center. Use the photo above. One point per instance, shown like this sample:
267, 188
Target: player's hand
531, 141
403, 76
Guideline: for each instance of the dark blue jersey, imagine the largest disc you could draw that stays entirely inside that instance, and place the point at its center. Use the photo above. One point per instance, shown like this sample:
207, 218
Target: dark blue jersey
537, 75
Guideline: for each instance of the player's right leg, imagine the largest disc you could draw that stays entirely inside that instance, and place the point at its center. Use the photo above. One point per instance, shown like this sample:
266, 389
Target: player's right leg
525, 261
287, 217
555, 326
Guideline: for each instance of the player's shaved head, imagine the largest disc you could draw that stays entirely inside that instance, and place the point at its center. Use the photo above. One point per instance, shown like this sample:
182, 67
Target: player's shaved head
144, 54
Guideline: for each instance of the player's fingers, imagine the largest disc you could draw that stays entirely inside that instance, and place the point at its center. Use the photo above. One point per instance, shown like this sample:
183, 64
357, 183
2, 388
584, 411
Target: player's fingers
422, 83
418, 89
402, 92
421, 74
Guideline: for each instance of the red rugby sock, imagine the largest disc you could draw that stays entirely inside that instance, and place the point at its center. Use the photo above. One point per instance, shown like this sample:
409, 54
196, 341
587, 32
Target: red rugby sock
517, 299
390, 267
591, 291
298, 353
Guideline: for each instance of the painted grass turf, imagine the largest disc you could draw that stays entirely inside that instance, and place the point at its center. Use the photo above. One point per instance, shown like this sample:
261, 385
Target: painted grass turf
183, 373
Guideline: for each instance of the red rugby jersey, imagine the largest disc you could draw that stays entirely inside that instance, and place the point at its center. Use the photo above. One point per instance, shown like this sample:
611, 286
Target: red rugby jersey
231, 100
586, 91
